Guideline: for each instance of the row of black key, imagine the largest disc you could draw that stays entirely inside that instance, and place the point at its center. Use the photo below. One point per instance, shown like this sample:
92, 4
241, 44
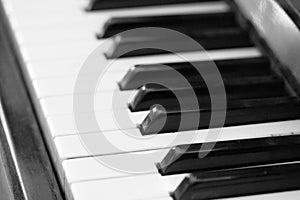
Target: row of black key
254, 93
251, 166
235, 168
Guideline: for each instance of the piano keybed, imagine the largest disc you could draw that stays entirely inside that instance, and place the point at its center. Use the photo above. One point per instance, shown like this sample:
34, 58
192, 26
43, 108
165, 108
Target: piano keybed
55, 41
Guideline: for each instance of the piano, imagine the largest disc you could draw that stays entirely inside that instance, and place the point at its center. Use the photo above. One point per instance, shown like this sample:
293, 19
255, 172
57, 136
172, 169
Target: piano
149, 100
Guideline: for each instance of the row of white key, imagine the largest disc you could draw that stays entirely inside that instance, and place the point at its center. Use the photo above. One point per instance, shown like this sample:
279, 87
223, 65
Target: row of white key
54, 46
149, 187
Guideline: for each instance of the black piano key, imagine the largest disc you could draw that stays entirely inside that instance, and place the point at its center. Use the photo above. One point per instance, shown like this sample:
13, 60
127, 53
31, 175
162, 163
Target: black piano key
182, 23
239, 112
139, 75
245, 88
114, 4
231, 154
239, 182
208, 39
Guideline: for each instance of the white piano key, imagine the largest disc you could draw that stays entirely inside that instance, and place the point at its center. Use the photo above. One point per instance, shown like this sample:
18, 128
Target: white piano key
54, 68
58, 105
64, 34
69, 7
201, 7
64, 125
96, 168
58, 35
43, 2
28, 25
151, 187
72, 146
94, 21
129, 185
193, 8
129, 188
66, 85
71, 67
59, 51
55, 19
46, 7
43, 6
54, 86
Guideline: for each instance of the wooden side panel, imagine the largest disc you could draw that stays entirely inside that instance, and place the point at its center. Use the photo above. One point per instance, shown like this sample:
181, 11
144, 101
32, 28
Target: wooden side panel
27, 165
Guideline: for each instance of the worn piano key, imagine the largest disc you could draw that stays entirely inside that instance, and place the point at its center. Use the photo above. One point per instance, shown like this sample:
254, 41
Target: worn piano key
239, 182
182, 23
230, 154
55, 68
238, 112
113, 4
57, 50
246, 88
72, 146
89, 168
65, 85
148, 187
58, 105
139, 75
208, 39
63, 125
95, 170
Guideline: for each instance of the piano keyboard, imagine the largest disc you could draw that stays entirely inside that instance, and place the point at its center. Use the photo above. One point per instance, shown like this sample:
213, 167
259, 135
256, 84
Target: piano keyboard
56, 37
